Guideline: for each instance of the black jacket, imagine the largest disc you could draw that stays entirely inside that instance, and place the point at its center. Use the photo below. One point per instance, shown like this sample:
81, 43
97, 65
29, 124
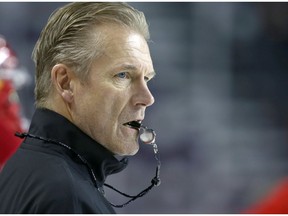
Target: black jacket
44, 177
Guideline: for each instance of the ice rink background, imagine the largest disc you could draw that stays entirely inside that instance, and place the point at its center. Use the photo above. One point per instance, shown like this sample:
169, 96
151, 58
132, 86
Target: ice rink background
221, 110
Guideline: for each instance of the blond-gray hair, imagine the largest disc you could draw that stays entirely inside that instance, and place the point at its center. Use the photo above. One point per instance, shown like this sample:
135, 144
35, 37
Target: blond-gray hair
68, 38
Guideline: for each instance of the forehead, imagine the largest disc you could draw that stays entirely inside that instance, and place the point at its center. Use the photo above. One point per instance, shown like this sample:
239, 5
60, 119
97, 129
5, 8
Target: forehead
123, 44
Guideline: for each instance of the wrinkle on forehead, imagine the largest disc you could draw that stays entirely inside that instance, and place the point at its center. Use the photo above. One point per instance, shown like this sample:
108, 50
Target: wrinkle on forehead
115, 35
123, 46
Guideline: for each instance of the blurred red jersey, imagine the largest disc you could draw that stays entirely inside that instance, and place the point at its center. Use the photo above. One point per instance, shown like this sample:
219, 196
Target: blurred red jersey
10, 120
275, 203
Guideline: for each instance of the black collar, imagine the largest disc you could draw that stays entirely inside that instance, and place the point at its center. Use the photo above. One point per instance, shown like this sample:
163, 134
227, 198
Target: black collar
51, 125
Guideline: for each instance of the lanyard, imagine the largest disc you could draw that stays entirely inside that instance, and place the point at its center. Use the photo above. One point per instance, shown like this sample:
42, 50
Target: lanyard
146, 135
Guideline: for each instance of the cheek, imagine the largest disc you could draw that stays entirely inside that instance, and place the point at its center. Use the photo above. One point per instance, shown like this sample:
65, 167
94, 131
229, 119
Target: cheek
86, 105
103, 105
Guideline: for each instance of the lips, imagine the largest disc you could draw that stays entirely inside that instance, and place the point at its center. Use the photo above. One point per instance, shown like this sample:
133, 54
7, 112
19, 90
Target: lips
134, 124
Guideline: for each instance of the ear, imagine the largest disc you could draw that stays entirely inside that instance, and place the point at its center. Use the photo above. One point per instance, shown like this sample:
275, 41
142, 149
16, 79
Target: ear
62, 76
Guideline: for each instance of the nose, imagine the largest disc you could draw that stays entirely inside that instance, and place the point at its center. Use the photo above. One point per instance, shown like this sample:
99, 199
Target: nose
143, 95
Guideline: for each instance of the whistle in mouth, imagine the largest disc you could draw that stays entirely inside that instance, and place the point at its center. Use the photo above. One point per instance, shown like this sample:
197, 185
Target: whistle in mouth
147, 135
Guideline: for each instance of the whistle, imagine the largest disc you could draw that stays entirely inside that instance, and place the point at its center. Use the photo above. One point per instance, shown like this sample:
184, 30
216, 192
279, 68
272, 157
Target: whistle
146, 135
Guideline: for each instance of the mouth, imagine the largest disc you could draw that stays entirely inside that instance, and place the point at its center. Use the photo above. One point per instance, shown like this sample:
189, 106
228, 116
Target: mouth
133, 124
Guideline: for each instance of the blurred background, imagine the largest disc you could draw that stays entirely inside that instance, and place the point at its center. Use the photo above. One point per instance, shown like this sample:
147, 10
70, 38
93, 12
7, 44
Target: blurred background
221, 110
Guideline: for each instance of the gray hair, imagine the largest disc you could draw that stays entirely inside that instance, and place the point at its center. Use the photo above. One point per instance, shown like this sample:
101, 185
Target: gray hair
67, 38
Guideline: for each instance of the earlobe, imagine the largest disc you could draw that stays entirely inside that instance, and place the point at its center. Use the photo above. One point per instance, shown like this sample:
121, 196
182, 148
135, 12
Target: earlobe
61, 77
67, 95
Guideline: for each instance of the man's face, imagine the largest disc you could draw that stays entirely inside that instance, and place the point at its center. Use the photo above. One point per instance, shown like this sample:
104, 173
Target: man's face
116, 92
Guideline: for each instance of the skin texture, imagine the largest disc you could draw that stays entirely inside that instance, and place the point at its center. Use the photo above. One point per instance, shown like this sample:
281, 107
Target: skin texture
116, 91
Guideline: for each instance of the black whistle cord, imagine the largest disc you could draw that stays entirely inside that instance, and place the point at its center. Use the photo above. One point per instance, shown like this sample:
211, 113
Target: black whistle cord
154, 182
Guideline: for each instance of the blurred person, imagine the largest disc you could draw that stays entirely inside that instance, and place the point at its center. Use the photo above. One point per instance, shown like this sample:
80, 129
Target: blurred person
11, 79
92, 68
274, 202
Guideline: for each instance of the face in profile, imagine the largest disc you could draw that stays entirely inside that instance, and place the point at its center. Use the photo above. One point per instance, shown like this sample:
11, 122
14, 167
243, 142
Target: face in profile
116, 92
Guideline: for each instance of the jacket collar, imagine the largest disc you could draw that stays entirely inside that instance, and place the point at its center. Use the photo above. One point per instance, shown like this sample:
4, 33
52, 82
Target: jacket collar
51, 125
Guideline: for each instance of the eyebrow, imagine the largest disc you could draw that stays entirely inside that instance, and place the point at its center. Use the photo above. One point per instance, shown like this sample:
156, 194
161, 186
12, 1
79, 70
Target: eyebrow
132, 67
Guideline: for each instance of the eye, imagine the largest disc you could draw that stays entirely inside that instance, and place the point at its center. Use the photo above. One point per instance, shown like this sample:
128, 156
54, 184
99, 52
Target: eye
122, 75
148, 77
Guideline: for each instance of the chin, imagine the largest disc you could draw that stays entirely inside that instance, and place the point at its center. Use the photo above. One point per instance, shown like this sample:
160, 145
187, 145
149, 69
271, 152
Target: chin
133, 152
129, 151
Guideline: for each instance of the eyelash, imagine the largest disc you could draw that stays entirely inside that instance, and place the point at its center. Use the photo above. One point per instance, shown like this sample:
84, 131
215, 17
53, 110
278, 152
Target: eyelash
124, 75
119, 75
147, 79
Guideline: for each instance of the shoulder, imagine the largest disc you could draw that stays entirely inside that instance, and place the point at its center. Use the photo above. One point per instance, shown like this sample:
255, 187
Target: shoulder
67, 189
45, 182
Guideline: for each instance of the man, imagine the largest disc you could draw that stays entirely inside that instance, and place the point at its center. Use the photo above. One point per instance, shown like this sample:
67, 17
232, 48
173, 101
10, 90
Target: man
92, 68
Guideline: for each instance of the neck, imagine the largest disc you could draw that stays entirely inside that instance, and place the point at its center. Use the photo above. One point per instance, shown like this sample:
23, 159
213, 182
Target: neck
59, 106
